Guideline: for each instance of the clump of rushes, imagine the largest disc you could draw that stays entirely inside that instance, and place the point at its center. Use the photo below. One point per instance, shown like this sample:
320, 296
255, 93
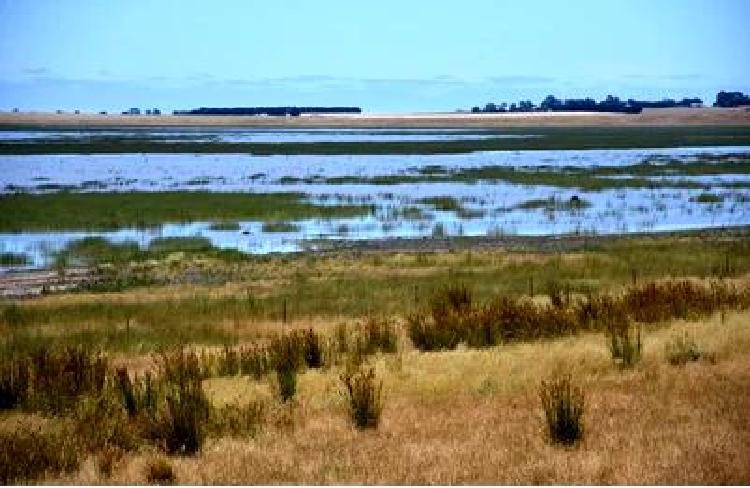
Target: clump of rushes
563, 406
160, 472
364, 394
254, 360
287, 357
313, 350
58, 378
442, 326
14, 381
681, 350
28, 452
377, 335
625, 344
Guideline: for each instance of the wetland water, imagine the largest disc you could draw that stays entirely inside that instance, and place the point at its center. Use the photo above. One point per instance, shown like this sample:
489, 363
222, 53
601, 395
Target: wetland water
525, 192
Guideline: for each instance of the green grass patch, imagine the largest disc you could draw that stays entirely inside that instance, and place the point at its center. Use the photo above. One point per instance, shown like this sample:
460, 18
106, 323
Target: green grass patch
164, 245
280, 227
14, 259
225, 226
707, 198
108, 211
444, 203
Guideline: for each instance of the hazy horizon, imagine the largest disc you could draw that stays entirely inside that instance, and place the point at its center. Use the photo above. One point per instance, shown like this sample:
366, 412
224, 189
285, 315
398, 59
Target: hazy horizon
383, 57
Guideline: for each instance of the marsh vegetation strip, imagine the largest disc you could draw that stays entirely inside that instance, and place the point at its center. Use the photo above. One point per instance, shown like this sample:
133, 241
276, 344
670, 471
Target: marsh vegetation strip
101, 211
550, 138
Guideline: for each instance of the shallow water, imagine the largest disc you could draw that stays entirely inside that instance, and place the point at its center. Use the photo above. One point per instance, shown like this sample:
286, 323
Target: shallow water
484, 208
257, 135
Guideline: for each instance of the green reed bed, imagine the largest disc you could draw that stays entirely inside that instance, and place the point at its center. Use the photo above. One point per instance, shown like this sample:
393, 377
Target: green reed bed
108, 211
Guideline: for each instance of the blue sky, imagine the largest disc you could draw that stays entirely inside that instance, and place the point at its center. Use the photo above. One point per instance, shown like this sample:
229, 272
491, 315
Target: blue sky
384, 55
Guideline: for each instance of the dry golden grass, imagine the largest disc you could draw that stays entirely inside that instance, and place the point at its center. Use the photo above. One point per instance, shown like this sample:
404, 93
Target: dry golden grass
473, 417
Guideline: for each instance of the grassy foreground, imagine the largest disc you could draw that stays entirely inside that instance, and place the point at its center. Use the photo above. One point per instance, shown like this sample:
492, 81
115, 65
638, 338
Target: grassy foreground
468, 412
106, 211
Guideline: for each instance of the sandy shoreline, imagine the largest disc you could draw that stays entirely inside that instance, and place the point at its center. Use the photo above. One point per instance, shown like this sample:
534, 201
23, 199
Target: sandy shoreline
652, 117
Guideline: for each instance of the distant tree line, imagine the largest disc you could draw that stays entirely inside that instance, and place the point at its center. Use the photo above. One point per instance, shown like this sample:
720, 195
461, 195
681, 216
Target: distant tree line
609, 104
731, 99
273, 111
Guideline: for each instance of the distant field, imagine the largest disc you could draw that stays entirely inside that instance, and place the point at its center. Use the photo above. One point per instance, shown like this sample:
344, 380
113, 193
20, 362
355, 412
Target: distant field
652, 117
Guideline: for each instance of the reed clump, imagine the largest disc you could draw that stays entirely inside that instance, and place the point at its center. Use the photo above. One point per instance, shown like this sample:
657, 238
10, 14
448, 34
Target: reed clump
563, 406
160, 472
28, 452
364, 395
682, 350
625, 344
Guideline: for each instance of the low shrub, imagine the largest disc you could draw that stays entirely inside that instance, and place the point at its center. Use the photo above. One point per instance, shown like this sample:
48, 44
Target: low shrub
364, 395
563, 406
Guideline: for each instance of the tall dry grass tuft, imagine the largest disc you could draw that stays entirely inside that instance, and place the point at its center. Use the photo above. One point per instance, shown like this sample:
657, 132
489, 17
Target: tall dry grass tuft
681, 350
15, 376
160, 472
50, 380
625, 344
28, 452
287, 357
364, 395
178, 426
377, 335
563, 406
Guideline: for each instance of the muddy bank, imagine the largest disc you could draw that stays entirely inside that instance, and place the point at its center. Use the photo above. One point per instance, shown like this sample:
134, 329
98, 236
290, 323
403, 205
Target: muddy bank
559, 243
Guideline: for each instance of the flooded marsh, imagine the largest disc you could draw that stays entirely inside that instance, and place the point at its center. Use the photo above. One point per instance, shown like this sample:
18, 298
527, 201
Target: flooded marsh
292, 202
